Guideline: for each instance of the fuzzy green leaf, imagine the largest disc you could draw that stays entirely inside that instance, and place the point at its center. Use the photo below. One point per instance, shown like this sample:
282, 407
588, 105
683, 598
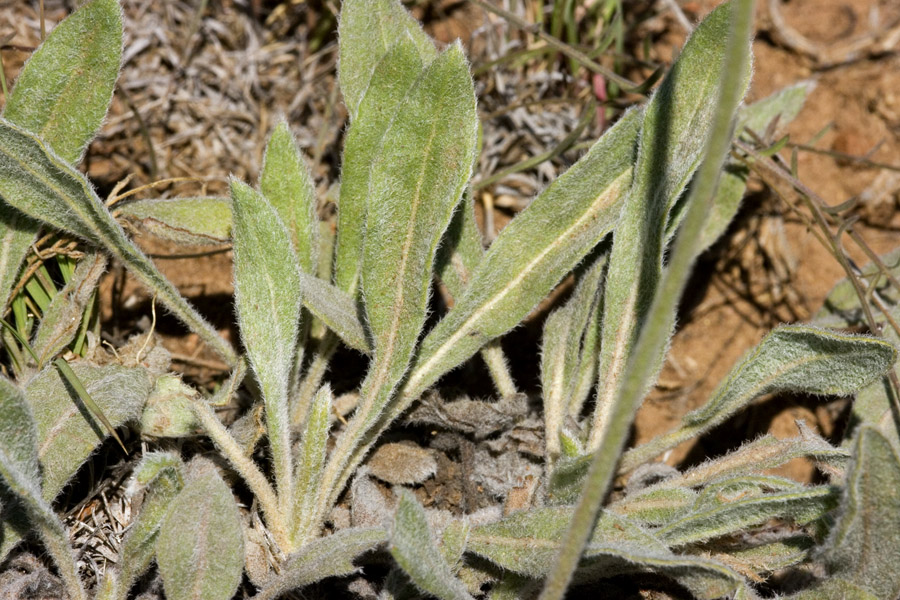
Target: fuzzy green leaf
414, 549
336, 309
267, 299
367, 30
834, 589
330, 556
799, 505
677, 123
67, 432
17, 233
64, 90
461, 249
63, 317
286, 183
785, 104
35, 180
394, 76
310, 461
200, 546
416, 182
526, 543
767, 558
864, 546
790, 358
186, 221
656, 506
19, 473
533, 253
161, 476
568, 349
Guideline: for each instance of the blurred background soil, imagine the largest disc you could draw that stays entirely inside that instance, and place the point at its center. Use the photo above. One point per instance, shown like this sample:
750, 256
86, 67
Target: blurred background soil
204, 83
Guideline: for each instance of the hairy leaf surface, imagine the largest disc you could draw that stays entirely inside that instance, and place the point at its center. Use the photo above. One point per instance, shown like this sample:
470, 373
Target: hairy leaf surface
187, 221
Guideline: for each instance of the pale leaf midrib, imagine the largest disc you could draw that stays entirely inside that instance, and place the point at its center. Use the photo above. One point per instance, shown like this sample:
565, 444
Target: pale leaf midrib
596, 206
393, 331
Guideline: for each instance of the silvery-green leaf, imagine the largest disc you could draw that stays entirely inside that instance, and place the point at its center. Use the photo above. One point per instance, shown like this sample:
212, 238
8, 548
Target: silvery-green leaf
330, 556
453, 543
35, 180
730, 192
267, 300
67, 433
64, 90
161, 477
167, 412
286, 183
526, 543
461, 249
62, 319
532, 254
336, 309
656, 506
188, 221
798, 505
789, 358
784, 104
773, 556
864, 545
567, 349
766, 452
416, 182
19, 473
394, 76
414, 548
677, 123
310, 462
200, 548
367, 30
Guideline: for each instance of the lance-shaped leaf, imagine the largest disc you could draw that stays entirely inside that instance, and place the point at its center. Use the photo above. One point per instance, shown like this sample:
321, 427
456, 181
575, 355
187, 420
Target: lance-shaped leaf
774, 556
35, 180
367, 31
67, 432
864, 546
161, 476
797, 505
336, 309
784, 105
330, 556
532, 254
767, 452
414, 549
187, 221
656, 506
834, 589
62, 319
526, 543
461, 249
286, 183
19, 472
568, 349
267, 299
17, 233
393, 77
416, 181
65, 88
310, 462
790, 358
674, 133
200, 546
